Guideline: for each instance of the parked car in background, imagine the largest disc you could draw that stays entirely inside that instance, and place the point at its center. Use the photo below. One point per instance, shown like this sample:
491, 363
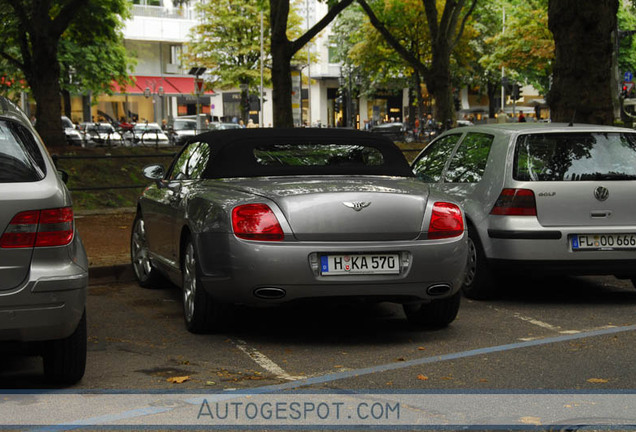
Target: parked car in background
395, 131
181, 130
268, 216
148, 134
101, 135
44, 272
73, 136
539, 198
224, 126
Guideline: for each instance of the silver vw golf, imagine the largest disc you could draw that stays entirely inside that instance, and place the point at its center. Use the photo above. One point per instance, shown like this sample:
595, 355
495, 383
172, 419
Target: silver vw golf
43, 265
547, 198
266, 216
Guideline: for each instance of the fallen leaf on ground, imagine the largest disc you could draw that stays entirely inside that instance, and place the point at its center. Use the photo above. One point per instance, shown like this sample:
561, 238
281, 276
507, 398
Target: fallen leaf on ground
597, 380
421, 348
422, 377
178, 380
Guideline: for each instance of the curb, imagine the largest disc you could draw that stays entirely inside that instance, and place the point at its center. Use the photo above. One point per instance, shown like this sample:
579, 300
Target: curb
105, 211
117, 273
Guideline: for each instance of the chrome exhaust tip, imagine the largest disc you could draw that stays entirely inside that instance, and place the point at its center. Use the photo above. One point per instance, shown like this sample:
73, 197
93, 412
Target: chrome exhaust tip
438, 290
269, 293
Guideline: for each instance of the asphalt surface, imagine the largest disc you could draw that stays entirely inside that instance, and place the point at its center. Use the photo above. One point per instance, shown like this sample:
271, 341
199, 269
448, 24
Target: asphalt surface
569, 333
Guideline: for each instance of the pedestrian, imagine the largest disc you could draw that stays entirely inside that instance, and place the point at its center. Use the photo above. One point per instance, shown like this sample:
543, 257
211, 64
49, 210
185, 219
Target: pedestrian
251, 124
501, 116
522, 118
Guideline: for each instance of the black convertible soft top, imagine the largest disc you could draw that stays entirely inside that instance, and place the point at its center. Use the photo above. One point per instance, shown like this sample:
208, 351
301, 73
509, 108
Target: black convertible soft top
301, 151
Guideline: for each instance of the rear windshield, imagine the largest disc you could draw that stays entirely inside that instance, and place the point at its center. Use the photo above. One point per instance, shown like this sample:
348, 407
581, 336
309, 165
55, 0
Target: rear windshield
308, 155
305, 155
184, 125
20, 157
575, 157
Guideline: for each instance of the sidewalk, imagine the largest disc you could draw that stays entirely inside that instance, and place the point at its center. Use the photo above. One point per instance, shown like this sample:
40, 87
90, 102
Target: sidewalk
106, 237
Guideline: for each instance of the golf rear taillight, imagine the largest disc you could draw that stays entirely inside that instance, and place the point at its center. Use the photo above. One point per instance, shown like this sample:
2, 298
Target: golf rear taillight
446, 221
256, 222
515, 202
39, 228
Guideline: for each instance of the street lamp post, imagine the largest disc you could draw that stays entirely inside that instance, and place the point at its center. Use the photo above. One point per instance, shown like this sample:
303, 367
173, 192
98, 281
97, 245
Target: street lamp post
197, 72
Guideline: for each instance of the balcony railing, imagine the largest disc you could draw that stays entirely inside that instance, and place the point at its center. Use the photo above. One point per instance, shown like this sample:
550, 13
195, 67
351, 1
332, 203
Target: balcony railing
164, 12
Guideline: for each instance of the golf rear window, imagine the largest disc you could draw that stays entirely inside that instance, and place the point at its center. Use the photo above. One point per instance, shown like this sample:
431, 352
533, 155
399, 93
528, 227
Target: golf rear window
576, 156
20, 157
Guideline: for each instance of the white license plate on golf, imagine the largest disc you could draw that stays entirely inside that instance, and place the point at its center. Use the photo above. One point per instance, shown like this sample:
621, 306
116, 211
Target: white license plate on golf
603, 241
359, 264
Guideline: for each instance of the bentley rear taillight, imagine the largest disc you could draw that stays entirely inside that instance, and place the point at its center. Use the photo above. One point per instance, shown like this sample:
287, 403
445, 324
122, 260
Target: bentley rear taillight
515, 202
39, 228
256, 222
446, 221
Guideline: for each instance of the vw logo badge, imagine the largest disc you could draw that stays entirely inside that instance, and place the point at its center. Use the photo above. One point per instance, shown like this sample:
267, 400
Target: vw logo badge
356, 205
601, 193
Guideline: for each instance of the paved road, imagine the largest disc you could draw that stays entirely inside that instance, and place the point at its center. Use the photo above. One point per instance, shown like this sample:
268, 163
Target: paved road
567, 333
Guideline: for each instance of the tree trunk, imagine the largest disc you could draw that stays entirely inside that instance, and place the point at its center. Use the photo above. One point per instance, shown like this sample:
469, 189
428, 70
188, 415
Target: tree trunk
491, 90
281, 88
281, 68
439, 85
581, 88
45, 84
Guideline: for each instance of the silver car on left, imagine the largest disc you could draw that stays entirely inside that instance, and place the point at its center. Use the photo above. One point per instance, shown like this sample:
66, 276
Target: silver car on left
43, 265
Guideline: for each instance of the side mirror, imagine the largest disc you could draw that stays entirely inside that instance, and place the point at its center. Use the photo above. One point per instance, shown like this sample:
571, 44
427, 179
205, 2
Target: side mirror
154, 172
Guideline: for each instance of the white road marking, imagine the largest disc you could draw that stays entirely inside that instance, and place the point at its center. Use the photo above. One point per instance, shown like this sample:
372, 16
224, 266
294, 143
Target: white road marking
546, 325
265, 362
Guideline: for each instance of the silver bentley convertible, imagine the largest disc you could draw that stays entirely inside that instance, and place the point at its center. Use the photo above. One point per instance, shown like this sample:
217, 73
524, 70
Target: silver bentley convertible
267, 216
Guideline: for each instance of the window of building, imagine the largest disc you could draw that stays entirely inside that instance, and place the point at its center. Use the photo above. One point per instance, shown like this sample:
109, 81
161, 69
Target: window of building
332, 51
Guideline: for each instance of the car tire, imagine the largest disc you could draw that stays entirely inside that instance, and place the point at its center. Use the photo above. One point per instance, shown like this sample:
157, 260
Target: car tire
436, 314
201, 313
147, 275
479, 283
65, 359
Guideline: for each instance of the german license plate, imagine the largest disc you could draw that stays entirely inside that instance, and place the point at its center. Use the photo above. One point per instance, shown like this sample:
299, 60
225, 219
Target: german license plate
603, 241
359, 264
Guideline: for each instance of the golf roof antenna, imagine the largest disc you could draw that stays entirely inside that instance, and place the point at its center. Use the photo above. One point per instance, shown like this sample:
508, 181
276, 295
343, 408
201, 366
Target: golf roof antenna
572, 121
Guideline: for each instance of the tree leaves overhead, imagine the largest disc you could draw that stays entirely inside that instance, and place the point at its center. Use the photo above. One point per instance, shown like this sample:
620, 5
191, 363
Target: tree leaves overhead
526, 47
227, 41
42, 41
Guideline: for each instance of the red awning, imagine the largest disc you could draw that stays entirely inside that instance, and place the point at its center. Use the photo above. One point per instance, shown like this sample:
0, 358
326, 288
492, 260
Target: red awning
172, 86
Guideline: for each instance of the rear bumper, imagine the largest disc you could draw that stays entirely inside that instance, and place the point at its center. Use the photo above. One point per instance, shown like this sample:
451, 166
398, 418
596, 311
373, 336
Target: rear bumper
622, 268
51, 301
549, 250
293, 269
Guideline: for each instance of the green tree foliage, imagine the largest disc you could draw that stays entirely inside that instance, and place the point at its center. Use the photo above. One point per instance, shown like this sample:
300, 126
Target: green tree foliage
484, 74
227, 42
363, 51
42, 41
525, 48
283, 49
445, 24
627, 22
